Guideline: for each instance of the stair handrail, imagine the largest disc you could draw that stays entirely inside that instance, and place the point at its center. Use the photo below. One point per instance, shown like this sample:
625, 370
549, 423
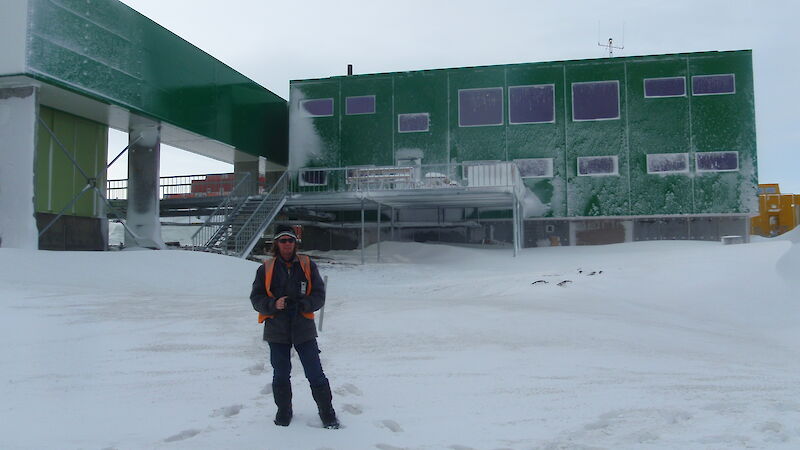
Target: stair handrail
276, 194
226, 202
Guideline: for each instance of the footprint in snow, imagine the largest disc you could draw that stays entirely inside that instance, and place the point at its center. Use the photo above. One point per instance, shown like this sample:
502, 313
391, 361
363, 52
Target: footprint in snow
388, 447
185, 434
391, 425
228, 411
257, 369
347, 389
353, 409
267, 390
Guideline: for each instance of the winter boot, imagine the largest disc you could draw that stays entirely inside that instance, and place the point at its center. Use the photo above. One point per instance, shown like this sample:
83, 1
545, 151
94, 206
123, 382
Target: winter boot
283, 399
322, 395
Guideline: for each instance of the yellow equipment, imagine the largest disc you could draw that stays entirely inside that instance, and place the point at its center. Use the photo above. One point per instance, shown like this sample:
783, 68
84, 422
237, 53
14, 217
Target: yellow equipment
777, 213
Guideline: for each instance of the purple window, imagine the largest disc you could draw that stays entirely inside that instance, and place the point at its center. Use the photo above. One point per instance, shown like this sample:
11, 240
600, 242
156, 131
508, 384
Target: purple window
360, 105
597, 165
531, 104
595, 100
717, 161
667, 162
322, 107
412, 123
713, 84
665, 87
535, 167
477, 107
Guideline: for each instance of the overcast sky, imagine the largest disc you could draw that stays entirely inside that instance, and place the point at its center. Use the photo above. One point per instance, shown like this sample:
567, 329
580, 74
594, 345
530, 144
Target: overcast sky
273, 42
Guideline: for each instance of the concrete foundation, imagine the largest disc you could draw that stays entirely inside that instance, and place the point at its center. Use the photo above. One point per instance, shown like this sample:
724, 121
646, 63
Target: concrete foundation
244, 165
18, 114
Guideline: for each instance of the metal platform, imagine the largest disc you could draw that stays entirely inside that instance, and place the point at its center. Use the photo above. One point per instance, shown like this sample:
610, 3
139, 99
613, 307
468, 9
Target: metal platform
452, 197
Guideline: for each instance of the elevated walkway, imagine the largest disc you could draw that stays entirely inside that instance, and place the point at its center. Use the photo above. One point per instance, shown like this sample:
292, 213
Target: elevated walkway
238, 219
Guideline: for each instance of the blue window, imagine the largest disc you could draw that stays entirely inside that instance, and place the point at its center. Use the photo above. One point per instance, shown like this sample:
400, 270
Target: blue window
531, 104
595, 100
413, 123
665, 87
480, 107
714, 84
321, 107
364, 104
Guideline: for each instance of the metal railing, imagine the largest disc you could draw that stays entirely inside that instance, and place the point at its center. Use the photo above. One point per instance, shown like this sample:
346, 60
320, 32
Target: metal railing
251, 230
181, 186
430, 176
222, 216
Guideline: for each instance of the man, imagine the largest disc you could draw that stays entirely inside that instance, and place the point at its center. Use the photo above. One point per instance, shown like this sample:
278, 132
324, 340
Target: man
286, 292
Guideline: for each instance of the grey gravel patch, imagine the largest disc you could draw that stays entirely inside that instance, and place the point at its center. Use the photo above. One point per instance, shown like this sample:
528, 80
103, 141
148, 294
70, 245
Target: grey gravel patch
228, 411
353, 409
185, 434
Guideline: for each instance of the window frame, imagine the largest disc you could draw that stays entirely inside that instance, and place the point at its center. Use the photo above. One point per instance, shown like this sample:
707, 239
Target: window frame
733, 75
502, 107
552, 85
572, 99
615, 158
306, 113
699, 170
374, 105
550, 172
667, 172
644, 86
303, 183
427, 125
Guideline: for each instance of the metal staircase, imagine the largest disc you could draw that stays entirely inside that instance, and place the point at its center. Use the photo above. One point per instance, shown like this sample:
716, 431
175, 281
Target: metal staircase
235, 228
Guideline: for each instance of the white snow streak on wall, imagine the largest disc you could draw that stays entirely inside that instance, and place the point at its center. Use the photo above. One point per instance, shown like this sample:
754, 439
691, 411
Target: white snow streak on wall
17, 140
304, 142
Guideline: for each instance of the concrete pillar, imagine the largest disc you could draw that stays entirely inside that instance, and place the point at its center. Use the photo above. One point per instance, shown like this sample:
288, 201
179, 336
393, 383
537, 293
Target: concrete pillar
18, 109
244, 164
144, 157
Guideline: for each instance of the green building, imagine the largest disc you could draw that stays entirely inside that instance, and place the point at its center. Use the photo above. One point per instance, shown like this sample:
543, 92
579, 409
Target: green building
608, 150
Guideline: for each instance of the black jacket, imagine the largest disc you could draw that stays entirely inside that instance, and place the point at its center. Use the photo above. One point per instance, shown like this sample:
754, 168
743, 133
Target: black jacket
288, 326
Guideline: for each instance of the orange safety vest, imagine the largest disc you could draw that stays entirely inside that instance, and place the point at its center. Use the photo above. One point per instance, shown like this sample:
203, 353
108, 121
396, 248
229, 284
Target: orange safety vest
269, 266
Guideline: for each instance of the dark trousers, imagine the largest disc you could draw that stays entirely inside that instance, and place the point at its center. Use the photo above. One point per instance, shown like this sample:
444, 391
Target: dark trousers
308, 351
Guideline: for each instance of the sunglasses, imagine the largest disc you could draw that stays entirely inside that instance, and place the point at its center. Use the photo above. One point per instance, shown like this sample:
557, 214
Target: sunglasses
286, 241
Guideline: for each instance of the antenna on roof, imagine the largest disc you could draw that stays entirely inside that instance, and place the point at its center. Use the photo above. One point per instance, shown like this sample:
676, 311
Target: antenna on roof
610, 45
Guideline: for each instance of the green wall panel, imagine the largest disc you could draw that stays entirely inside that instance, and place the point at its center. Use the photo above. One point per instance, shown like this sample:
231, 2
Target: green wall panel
725, 123
657, 125
477, 143
592, 195
541, 140
366, 138
685, 124
58, 181
422, 93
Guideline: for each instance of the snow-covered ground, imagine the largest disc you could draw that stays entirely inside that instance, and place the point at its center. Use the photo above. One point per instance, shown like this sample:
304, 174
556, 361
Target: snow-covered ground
688, 345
